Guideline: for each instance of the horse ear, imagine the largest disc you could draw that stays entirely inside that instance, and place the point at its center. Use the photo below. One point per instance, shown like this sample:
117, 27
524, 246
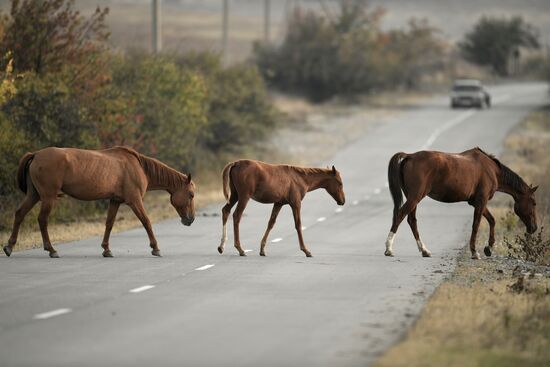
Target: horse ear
533, 189
333, 170
189, 178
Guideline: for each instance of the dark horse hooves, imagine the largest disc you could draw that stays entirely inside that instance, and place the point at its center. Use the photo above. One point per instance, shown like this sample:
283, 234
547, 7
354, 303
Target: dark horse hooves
7, 250
487, 251
156, 253
107, 253
220, 250
242, 254
54, 255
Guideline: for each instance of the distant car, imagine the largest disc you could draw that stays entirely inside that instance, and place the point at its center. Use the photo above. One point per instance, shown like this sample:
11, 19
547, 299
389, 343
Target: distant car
469, 93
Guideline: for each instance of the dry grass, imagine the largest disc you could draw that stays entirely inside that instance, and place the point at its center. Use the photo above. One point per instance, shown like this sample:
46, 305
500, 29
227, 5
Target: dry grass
475, 318
478, 324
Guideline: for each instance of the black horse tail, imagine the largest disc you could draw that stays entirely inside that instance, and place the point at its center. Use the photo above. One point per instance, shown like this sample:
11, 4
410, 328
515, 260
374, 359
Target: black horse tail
22, 171
395, 180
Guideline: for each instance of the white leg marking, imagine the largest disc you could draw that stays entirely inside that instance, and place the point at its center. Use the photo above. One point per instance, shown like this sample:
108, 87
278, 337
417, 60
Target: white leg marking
422, 248
389, 244
224, 236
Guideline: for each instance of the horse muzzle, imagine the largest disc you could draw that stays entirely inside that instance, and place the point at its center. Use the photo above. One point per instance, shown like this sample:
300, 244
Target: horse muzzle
532, 228
187, 221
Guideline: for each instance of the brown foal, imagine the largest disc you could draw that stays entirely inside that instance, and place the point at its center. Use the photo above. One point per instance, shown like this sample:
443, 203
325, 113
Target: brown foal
120, 175
276, 184
472, 176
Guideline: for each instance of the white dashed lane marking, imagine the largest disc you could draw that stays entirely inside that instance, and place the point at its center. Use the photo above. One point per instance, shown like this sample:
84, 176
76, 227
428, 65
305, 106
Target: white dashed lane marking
355, 202
142, 289
205, 267
247, 250
275, 240
322, 219
53, 313
339, 210
377, 191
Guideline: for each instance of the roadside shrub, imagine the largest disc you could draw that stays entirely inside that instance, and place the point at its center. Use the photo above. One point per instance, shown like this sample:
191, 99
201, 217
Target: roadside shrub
493, 42
156, 106
348, 54
530, 247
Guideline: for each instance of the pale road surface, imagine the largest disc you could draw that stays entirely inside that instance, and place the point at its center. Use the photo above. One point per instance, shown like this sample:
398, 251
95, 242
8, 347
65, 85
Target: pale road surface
343, 307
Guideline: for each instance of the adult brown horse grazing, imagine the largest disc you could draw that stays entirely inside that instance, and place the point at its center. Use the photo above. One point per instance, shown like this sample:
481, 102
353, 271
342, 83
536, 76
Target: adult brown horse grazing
472, 176
119, 174
277, 184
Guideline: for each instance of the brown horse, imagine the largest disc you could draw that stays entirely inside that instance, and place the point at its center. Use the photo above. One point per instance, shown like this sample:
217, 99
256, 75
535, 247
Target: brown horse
120, 174
472, 176
277, 184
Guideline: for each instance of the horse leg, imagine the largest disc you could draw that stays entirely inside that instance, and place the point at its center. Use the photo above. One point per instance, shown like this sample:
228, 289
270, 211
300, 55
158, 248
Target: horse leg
274, 214
237, 214
111, 215
45, 210
397, 219
28, 203
411, 219
491, 220
298, 225
478, 211
226, 210
139, 211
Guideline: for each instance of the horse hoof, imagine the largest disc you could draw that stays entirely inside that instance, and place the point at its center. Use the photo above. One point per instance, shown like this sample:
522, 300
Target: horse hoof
156, 253
220, 249
262, 253
388, 253
487, 251
242, 253
308, 254
7, 250
54, 255
476, 256
107, 253
426, 254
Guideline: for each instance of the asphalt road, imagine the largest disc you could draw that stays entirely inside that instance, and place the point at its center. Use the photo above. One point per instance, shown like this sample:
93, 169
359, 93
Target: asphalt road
342, 307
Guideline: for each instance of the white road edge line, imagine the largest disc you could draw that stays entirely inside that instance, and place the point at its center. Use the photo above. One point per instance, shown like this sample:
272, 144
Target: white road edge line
205, 267
446, 126
53, 313
275, 240
142, 289
321, 219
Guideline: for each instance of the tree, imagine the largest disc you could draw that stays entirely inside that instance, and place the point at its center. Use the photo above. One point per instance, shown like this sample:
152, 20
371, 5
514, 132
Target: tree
493, 41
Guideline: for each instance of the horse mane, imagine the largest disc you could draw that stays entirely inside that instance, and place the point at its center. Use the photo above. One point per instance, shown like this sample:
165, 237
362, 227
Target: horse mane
156, 171
308, 170
509, 177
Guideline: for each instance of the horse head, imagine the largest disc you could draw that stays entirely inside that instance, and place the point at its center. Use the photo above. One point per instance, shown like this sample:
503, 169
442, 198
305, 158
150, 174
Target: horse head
183, 200
525, 208
335, 187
